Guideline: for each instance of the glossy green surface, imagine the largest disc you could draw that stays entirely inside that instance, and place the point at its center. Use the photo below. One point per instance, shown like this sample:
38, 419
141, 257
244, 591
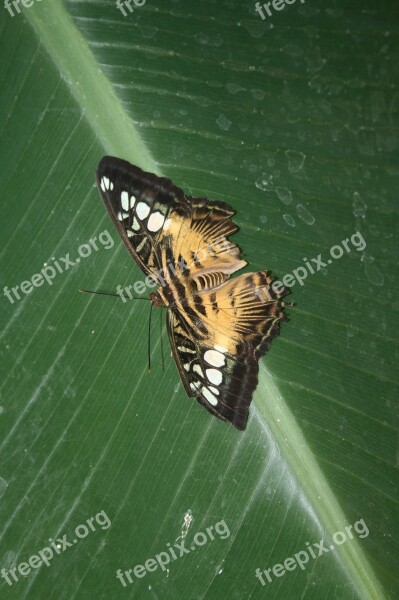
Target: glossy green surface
294, 122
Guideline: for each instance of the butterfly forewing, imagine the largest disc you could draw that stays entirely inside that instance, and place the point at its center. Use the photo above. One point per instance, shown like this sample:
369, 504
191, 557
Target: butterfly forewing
142, 206
218, 380
221, 369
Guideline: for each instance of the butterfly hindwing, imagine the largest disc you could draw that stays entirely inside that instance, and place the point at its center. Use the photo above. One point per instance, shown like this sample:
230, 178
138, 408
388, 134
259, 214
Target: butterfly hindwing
203, 242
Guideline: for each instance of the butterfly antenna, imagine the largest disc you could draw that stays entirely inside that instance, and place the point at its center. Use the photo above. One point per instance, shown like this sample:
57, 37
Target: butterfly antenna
149, 339
104, 293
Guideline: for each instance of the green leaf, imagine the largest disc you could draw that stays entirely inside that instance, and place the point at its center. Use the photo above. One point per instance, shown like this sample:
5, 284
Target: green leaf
293, 121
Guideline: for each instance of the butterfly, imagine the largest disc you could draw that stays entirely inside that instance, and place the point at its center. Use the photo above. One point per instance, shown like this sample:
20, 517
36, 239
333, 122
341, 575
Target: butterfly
218, 327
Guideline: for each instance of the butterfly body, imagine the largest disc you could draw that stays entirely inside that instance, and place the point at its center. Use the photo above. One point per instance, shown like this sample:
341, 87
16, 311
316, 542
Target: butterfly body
218, 327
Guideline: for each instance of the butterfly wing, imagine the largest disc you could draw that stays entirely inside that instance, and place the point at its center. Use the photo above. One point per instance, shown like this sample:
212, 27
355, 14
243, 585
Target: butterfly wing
158, 222
140, 204
220, 368
202, 241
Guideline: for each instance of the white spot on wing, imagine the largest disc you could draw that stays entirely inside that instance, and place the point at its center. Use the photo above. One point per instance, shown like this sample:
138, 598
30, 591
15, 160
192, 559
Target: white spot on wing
197, 369
142, 210
214, 376
213, 390
132, 201
135, 225
184, 349
129, 233
106, 182
209, 396
155, 221
102, 186
141, 245
214, 358
125, 200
